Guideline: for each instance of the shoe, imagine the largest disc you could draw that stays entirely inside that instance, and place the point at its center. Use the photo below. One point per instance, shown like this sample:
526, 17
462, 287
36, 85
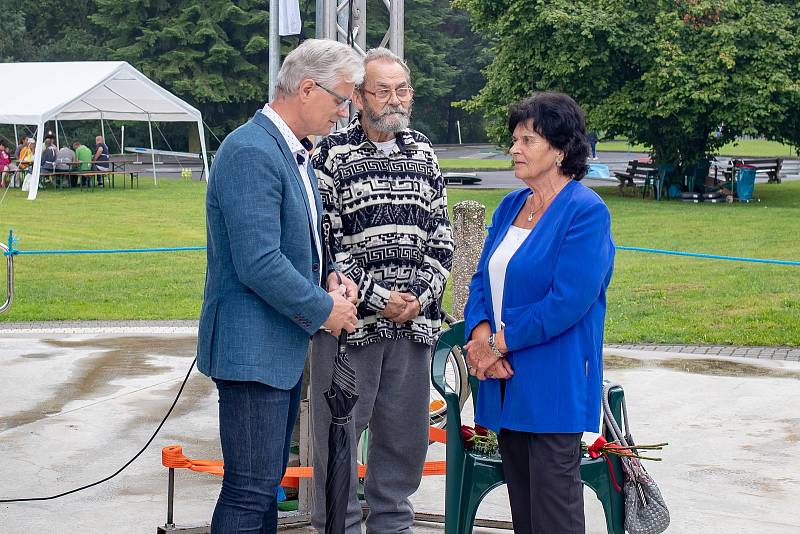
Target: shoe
595, 158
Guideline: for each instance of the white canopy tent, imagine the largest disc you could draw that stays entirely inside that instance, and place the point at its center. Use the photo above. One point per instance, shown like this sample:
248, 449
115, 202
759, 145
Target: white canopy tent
35, 93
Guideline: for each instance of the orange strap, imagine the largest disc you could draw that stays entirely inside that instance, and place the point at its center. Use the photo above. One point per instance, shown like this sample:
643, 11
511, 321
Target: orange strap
439, 435
172, 456
293, 474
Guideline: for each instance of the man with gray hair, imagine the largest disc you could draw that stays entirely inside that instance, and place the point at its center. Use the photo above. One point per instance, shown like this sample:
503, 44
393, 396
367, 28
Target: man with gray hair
263, 296
385, 203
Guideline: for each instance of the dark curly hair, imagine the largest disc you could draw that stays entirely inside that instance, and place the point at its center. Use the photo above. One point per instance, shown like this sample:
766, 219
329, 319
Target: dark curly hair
560, 120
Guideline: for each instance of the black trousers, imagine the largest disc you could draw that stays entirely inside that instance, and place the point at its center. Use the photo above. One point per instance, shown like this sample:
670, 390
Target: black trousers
544, 481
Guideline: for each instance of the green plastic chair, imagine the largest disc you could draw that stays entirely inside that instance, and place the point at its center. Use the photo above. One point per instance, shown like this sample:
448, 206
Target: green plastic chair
696, 175
471, 476
662, 179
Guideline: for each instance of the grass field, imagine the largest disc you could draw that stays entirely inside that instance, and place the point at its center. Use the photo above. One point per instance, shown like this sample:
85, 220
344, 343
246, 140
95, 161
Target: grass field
746, 147
475, 164
653, 298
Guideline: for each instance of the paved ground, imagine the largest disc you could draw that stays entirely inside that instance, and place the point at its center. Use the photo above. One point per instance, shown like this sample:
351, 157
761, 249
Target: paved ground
78, 399
75, 406
190, 328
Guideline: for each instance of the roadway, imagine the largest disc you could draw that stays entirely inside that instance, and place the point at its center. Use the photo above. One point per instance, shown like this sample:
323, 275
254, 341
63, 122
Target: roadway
616, 161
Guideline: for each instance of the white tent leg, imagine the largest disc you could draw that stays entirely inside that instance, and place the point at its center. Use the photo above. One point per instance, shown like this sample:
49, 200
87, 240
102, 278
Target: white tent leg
122, 140
152, 154
37, 163
203, 148
102, 128
16, 137
57, 143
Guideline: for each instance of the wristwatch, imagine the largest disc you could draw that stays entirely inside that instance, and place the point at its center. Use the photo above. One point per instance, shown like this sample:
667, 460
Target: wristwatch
493, 346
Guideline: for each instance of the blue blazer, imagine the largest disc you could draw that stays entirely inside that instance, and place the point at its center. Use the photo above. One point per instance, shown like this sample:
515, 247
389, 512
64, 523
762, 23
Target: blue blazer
262, 299
554, 305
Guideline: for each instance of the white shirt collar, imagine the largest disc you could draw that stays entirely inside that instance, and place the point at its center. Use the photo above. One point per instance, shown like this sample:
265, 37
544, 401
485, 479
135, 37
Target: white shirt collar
295, 145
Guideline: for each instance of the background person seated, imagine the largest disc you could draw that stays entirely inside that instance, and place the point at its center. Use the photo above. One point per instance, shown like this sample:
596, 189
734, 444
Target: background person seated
23, 142
26, 162
102, 161
65, 162
26, 155
66, 158
84, 155
50, 155
5, 162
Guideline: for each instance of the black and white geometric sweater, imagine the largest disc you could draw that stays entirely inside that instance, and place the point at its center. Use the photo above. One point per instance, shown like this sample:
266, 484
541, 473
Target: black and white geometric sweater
390, 227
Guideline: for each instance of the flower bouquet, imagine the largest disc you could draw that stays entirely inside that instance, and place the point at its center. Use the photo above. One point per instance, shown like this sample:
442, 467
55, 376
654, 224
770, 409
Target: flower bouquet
603, 447
479, 439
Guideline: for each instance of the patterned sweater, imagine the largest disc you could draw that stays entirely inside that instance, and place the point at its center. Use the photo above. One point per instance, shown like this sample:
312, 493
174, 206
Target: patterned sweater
389, 225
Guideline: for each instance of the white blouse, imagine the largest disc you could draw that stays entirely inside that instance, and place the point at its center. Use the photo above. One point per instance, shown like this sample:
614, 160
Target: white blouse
497, 267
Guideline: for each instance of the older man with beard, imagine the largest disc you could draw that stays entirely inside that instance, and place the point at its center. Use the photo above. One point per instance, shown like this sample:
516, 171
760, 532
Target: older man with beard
385, 212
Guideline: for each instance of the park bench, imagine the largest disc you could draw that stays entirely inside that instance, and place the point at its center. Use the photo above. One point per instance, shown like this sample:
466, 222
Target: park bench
638, 174
461, 178
771, 167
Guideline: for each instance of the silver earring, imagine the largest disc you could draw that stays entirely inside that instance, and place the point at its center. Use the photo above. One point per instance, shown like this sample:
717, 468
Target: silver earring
558, 163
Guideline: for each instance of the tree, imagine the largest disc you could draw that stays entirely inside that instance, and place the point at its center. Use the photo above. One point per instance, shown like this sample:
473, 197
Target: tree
666, 73
56, 30
445, 58
469, 55
14, 45
213, 53
60, 30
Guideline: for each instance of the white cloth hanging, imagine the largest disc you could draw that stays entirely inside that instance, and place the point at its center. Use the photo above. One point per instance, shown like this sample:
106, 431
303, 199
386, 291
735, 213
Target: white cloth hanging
289, 22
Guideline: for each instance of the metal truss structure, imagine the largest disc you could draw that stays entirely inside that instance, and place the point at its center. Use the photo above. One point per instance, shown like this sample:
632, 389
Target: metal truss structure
344, 21
334, 20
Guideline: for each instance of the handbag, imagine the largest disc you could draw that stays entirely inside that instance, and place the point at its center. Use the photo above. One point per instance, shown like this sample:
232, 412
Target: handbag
645, 509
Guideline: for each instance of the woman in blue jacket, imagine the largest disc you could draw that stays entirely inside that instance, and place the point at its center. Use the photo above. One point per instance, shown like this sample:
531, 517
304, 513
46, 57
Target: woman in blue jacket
534, 318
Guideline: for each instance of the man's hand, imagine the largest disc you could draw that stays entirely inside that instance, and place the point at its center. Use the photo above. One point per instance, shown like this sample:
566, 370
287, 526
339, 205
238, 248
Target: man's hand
351, 289
343, 313
411, 310
395, 306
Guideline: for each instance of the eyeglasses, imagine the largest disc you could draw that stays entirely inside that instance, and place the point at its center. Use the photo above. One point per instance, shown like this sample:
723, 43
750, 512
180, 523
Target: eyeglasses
343, 101
404, 93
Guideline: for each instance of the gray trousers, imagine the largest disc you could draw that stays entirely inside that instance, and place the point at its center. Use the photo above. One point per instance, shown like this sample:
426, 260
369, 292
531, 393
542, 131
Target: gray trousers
393, 382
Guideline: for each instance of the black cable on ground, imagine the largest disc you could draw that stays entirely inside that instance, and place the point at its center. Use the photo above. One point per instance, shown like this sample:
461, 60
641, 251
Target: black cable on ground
164, 420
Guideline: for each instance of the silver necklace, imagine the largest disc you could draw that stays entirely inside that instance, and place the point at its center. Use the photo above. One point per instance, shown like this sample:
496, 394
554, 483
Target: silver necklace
536, 210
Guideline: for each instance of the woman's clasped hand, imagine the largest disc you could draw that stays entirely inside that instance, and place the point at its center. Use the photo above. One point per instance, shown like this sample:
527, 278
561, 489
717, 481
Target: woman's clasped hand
483, 363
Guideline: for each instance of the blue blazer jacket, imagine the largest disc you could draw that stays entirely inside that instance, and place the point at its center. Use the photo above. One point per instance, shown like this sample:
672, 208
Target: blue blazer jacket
262, 295
554, 306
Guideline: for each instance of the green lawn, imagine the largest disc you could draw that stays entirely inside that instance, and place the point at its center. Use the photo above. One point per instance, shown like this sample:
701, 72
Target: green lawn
475, 164
746, 147
653, 298
671, 299
112, 286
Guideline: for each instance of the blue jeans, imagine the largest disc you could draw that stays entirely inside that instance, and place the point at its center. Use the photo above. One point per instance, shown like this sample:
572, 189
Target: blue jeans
255, 428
